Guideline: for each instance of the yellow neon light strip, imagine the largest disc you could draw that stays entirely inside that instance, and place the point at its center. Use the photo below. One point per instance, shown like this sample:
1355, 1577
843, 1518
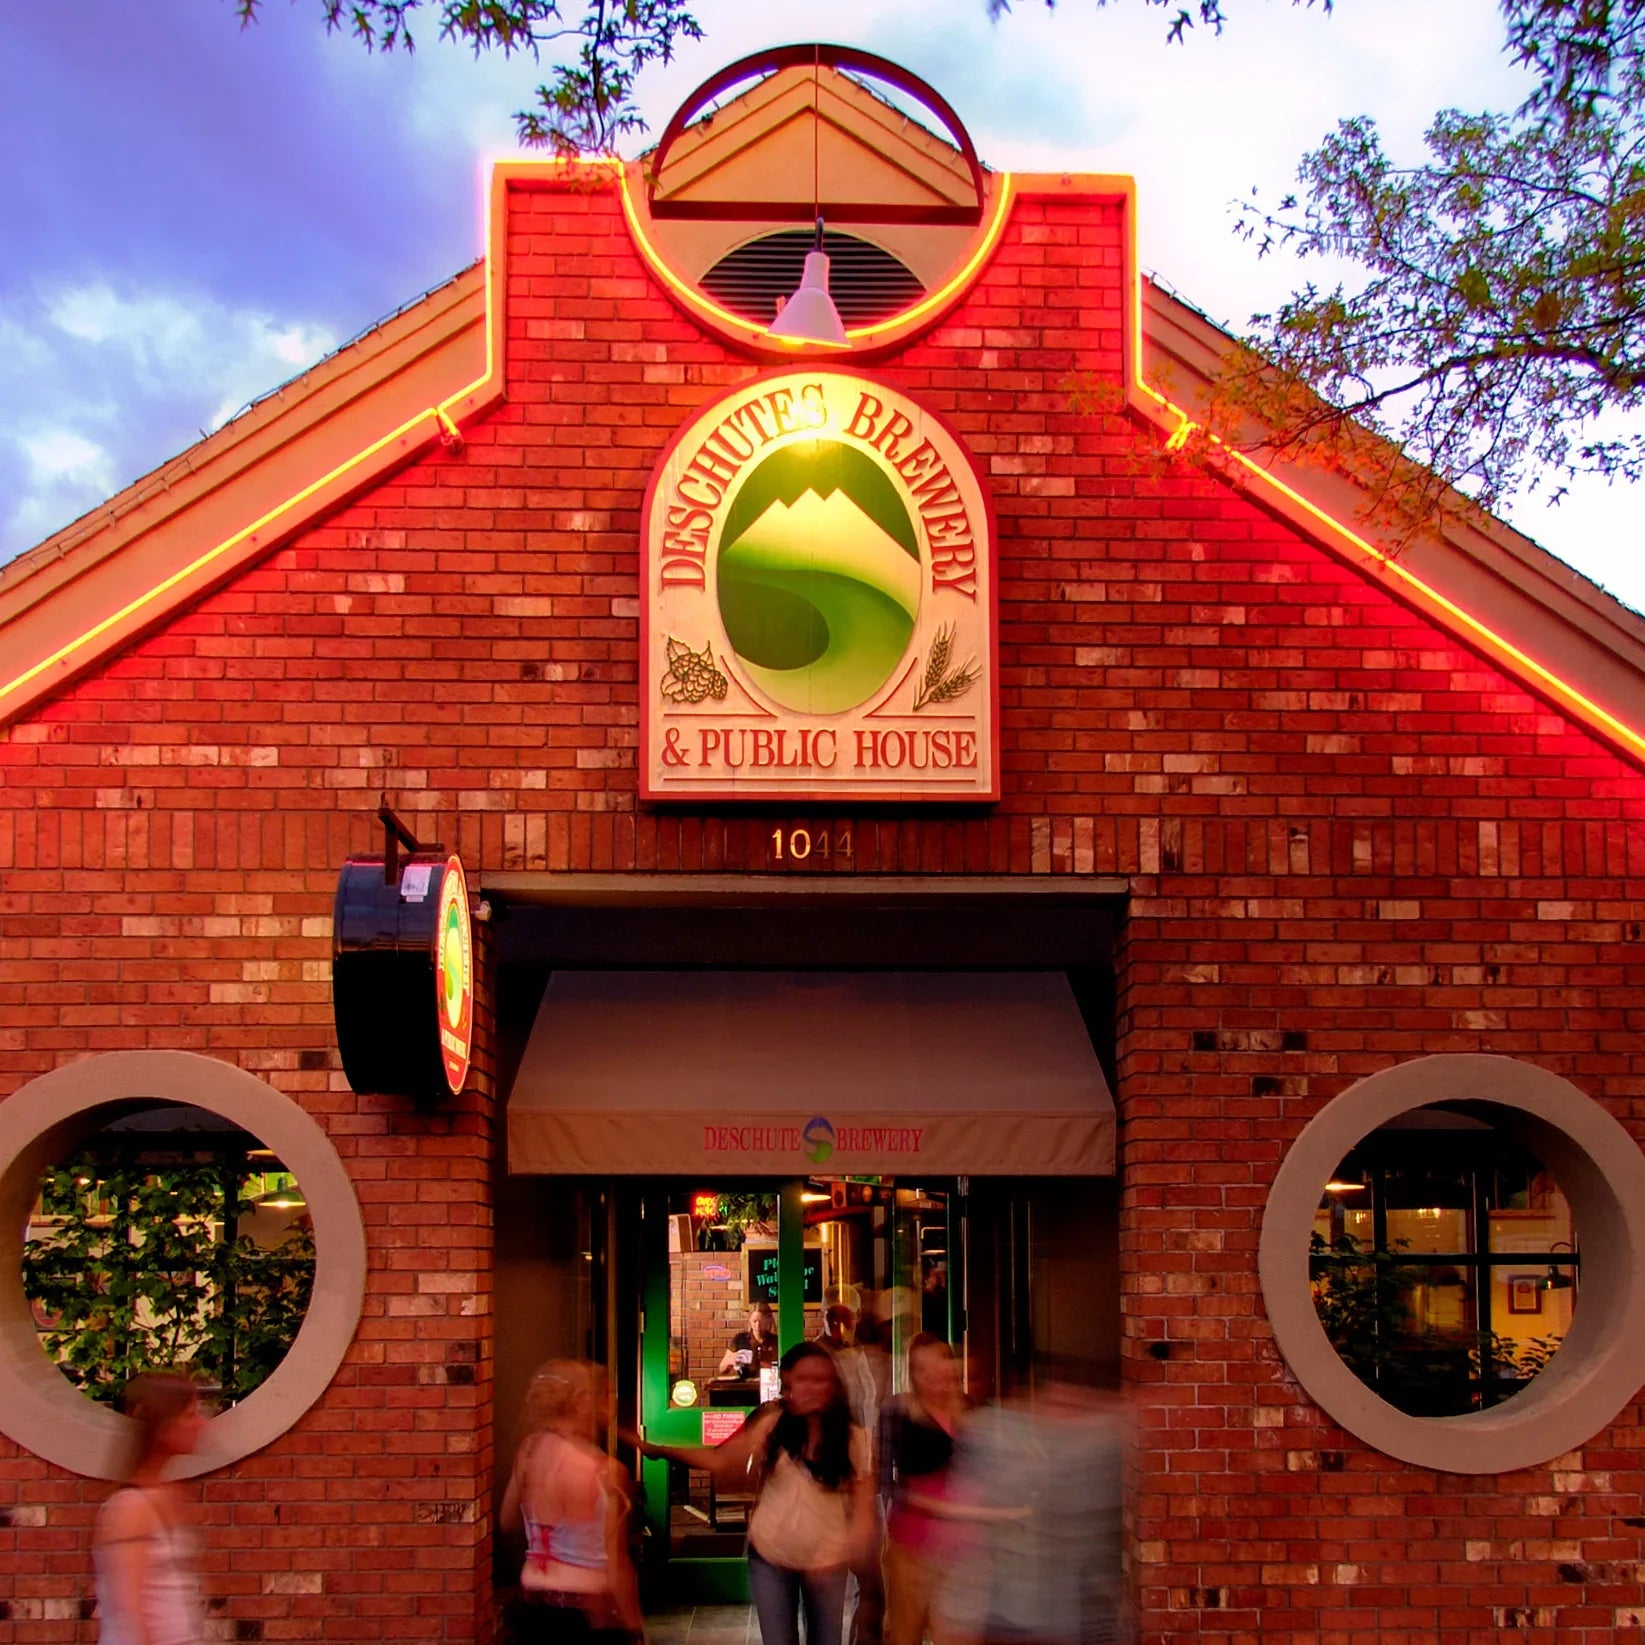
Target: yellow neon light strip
693, 298
443, 421
1568, 694
441, 415
939, 298
445, 424
132, 607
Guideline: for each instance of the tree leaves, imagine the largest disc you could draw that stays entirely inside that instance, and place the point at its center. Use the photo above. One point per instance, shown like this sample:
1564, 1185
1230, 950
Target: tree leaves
599, 47
1496, 306
1581, 51
1206, 13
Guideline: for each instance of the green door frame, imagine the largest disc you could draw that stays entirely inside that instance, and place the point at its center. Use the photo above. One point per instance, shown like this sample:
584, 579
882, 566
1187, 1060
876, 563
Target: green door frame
705, 1580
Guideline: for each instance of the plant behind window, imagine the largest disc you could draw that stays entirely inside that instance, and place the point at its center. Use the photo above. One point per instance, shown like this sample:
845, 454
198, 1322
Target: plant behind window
134, 1269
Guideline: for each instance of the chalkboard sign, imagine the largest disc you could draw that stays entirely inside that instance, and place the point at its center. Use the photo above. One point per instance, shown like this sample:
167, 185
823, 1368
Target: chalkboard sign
761, 1261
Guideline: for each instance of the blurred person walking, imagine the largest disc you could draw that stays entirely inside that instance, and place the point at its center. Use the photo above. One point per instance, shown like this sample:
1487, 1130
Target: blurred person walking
146, 1545
578, 1582
1041, 1481
916, 1450
838, 1320
811, 1469
866, 1369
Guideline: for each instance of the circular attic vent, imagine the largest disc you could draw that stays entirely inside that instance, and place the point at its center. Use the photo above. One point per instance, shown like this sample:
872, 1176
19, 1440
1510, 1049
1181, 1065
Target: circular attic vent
866, 282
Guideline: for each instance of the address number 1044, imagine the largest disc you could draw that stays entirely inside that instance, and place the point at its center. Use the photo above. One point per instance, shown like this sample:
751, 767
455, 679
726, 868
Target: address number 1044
796, 845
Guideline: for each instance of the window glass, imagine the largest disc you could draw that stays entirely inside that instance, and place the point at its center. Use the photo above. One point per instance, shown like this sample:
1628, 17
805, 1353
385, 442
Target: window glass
170, 1238
1436, 1318
876, 1265
724, 1310
724, 1323
1429, 1208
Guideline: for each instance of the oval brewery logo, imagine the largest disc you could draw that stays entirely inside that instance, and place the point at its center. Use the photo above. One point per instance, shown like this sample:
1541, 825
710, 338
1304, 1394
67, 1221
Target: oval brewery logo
818, 1140
818, 602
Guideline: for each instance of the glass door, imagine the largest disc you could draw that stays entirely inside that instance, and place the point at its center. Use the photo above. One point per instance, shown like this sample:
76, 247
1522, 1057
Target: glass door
734, 1274
730, 1284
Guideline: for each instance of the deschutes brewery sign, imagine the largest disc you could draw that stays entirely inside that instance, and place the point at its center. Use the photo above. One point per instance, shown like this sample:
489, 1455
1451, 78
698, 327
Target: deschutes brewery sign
818, 604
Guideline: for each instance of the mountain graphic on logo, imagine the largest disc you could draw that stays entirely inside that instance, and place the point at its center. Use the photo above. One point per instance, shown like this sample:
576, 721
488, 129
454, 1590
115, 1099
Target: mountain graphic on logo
819, 577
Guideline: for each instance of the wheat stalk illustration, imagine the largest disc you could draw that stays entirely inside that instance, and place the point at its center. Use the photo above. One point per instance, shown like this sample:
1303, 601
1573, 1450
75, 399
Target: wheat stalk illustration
939, 683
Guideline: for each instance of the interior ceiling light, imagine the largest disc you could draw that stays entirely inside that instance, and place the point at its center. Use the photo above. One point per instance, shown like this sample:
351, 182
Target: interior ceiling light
809, 317
282, 1199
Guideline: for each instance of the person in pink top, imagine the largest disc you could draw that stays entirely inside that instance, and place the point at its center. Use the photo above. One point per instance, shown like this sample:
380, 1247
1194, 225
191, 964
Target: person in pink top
578, 1582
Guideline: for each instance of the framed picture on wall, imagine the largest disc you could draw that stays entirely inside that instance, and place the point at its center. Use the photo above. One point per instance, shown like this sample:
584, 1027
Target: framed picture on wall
1524, 1295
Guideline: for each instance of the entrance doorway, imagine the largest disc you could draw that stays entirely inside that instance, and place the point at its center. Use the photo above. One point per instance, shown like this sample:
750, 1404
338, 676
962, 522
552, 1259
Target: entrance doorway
805, 1103
655, 1279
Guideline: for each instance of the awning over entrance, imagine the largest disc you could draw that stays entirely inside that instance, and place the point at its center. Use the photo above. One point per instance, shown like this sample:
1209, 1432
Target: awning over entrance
794, 1072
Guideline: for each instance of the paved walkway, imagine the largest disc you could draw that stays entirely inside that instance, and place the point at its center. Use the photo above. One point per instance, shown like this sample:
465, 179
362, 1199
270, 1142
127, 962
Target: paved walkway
702, 1625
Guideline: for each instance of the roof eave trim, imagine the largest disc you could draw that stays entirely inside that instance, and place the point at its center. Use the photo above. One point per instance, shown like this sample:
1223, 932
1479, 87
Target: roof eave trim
60, 638
1589, 670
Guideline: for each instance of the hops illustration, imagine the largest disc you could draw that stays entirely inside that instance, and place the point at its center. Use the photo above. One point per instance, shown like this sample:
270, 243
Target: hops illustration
938, 684
692, 675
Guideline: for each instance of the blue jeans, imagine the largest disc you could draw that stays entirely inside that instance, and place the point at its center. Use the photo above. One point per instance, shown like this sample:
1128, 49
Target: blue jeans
779, 1594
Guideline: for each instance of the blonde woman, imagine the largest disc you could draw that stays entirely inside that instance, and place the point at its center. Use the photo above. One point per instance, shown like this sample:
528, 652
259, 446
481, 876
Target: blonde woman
573, 1499
146, 1546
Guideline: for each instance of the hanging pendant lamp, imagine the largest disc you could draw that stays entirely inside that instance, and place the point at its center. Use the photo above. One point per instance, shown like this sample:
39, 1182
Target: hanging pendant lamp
809, 316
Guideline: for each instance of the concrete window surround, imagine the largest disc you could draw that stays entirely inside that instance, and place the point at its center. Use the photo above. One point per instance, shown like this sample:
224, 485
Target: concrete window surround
40, 1125
1598, 1368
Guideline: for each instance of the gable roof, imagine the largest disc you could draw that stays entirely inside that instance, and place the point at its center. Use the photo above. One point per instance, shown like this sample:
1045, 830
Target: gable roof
759, 146
1493, 587
161, 544
167, 539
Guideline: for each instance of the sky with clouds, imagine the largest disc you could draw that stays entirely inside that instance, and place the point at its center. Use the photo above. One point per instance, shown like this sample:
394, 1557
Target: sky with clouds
192, 213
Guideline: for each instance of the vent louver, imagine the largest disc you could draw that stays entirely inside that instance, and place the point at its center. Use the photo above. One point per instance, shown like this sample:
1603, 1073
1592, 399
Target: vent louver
866, 282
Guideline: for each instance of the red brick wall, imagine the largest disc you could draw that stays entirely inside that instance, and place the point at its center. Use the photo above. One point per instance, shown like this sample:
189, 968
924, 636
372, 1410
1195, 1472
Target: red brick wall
706, 1309
1337, 824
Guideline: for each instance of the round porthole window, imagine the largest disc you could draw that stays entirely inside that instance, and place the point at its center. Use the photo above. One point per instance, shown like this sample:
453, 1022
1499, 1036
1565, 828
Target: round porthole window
263, 1209
170, 1236
1444, 1263
1453, 1262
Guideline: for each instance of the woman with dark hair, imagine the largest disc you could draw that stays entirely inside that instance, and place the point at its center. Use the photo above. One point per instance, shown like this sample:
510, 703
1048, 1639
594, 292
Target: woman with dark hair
145, 1546
813, 1515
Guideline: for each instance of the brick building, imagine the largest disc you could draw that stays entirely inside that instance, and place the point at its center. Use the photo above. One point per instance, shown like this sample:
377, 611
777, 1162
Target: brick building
1296, 835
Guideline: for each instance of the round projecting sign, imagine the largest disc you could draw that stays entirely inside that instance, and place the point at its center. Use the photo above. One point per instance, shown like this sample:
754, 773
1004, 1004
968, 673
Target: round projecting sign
454, 975
402, 974
818, 603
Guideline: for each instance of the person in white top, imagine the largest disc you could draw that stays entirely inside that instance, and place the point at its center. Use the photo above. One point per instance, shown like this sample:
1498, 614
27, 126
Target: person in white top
813, 1511
146, 1545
